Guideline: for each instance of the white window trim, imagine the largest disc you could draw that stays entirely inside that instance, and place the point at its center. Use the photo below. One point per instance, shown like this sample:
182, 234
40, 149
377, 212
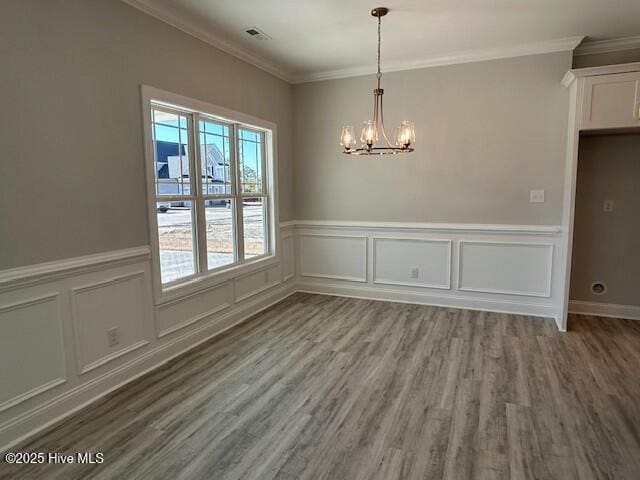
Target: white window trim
205, 280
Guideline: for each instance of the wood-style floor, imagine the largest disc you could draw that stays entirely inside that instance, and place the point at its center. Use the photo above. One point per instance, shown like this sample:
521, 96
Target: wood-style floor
322, 387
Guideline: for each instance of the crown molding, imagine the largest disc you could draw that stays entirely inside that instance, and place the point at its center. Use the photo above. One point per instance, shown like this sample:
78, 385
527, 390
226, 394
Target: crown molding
166, 16
608, 46
469, 56
576, 73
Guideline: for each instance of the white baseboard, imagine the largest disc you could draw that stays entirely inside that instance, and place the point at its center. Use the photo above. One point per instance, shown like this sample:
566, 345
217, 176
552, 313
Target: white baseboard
447, 301
48, 414
630, 312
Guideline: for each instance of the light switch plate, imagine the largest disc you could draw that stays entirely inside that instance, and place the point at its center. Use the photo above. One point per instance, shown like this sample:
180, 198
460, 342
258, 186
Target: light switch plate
536, 196
608, 206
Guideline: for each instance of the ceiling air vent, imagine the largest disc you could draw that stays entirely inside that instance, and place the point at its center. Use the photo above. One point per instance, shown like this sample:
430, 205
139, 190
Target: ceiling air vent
255, 32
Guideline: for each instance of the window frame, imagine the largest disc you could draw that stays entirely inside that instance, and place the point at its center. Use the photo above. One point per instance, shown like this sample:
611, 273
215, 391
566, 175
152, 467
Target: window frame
195, 111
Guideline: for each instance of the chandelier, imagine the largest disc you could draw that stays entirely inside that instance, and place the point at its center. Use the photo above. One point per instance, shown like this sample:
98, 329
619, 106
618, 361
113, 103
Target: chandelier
405, 133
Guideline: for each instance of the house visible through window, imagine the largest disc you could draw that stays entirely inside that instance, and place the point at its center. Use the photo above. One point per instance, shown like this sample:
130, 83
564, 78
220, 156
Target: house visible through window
211, 192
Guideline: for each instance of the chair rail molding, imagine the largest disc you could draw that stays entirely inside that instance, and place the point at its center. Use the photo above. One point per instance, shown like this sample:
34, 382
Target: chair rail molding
421, 226
30, 275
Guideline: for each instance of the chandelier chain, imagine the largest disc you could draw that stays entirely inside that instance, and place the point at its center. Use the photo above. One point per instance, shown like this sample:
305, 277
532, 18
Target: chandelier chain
379, 74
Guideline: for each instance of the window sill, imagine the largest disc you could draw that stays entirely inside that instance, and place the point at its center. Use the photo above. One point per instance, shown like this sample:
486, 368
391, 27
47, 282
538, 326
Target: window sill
212, 279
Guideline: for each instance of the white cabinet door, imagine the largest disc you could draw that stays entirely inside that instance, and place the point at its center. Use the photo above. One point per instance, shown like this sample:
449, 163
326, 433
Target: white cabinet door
611, 101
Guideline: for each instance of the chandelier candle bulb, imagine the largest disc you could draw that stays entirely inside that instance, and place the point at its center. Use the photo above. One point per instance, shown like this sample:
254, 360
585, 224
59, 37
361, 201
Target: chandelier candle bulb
369, 133
347, 137
405, 134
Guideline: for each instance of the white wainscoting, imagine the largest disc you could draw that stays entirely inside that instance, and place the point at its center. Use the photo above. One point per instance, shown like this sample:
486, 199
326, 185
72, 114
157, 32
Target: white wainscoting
512, 268
185, 311
32, 357
333, 256
394, 257
253, 283
287, 244
120, 302
59, 312
503, 268
56, 316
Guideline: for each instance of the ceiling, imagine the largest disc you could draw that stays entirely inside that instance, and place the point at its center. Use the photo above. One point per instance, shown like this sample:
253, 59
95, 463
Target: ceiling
317, 39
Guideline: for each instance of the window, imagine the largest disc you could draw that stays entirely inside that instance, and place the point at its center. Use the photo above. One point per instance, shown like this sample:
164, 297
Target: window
211, 190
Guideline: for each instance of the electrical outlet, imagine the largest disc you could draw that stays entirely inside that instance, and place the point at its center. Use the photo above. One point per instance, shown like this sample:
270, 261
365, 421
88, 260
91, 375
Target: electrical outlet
608, 206
536, 196
415, 272
113, 337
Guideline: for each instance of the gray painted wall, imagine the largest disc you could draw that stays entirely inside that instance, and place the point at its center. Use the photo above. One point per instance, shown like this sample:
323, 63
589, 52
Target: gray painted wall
606, 244
72, 168
487, 133
609, 58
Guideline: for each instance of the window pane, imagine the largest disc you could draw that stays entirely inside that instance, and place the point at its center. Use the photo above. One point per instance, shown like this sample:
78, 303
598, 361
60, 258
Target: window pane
169, 118
171, 151
254, 227
175, 236
215, 158
219, 219
250, 151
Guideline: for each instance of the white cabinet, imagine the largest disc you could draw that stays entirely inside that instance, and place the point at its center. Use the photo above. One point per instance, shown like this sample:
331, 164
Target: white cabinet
601, 99
611, 101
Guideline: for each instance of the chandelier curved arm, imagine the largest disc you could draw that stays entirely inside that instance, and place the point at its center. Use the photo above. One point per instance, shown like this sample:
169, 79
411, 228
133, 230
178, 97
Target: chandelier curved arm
384, 133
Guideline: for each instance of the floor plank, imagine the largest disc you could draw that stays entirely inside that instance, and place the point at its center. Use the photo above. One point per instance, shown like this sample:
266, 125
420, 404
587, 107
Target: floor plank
321, 387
